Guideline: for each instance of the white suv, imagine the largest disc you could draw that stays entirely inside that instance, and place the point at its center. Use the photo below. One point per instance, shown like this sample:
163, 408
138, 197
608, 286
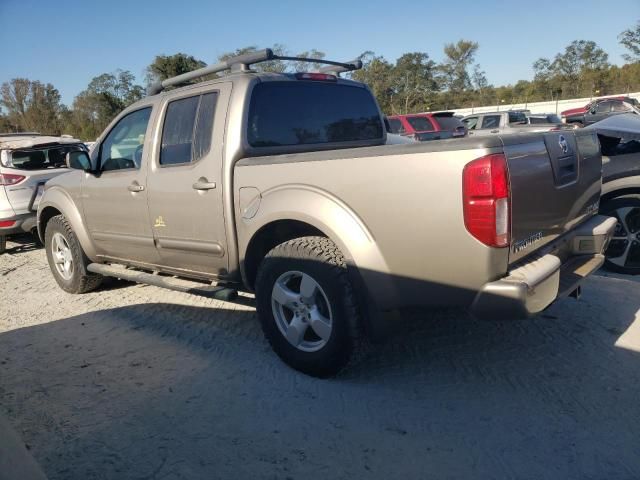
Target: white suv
27, 161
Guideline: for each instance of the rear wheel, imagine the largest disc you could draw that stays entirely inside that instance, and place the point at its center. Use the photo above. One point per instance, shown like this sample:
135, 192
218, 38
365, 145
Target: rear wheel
67, 260
3, 244
307, 306
623, 252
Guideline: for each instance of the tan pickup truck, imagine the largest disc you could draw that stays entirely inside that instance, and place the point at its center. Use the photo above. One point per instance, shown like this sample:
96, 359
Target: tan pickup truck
282, 184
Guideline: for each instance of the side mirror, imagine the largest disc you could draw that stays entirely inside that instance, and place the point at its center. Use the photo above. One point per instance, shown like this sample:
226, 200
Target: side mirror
78, 160
593, 111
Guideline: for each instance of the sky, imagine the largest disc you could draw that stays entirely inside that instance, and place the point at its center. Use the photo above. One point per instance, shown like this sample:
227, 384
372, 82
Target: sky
68, 42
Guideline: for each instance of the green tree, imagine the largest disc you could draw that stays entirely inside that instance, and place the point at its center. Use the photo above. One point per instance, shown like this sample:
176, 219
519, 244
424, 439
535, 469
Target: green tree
167, 66
414, 82
630, 39
31, 106
106, 96
378, 73
454, 69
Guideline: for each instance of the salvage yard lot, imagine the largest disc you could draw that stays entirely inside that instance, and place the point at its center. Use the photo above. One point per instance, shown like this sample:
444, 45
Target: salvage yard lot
139, 382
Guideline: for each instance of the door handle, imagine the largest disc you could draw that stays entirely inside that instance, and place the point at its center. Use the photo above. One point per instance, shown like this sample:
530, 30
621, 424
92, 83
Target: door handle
204, 184
135, 187
495, 131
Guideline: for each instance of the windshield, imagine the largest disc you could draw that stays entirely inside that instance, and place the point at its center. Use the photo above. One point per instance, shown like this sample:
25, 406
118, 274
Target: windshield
301, 113
40, 158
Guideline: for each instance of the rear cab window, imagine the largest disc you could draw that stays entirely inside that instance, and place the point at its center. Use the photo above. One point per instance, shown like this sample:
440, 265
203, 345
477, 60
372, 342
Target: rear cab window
449, 123
307, 113
517, 118
421, 124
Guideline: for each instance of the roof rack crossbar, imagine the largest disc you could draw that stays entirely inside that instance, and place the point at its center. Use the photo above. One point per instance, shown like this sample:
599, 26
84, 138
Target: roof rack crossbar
242, 63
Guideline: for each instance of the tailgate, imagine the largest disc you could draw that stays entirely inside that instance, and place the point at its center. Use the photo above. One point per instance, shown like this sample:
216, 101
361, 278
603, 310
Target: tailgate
555, 185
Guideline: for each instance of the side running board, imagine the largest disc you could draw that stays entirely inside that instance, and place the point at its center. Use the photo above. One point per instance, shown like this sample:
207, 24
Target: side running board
172, 283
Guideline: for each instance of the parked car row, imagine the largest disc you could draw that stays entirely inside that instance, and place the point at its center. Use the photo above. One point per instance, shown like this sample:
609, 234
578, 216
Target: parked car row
284, 185
427, 126
599, 109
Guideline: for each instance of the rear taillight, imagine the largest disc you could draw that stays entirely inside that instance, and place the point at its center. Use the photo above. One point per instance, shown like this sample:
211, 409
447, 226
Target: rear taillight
10, 179
485, 193
318, 77
7, 223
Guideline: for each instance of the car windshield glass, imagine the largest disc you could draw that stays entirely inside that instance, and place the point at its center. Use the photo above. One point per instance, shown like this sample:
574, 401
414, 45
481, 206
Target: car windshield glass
302, 113
41, 158
420, 124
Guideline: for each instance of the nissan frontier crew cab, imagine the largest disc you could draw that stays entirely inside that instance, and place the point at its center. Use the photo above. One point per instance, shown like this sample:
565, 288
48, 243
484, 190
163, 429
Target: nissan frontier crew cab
282, 184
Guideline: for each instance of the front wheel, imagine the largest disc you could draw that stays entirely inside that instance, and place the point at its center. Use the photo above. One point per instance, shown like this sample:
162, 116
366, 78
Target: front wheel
67, 260
623, 253
307, 306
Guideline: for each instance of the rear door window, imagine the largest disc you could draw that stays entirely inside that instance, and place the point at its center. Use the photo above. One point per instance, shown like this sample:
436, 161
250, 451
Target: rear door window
187, 129
619, 107
306, 113
491, 121
420, 124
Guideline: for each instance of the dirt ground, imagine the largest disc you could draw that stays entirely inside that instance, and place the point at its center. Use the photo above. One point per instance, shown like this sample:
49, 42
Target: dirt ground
138, 382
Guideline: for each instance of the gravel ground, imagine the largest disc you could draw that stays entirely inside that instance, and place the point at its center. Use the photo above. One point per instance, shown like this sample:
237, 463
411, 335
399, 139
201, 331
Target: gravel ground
138, 382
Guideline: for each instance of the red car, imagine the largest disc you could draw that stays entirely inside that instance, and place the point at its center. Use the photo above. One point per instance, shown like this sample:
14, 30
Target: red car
582, 110
428, 126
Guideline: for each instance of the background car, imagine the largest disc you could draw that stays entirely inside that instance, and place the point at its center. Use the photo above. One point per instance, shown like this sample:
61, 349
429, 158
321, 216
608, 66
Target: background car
507, 122
27, 161
428, 126
620, 145
581, 116
537, 118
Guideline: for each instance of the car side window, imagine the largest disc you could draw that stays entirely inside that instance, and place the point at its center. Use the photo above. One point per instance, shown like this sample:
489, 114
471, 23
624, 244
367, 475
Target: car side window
620, 107
603, 107
491, 121
122, 148
187, 129
396, 126
471, 122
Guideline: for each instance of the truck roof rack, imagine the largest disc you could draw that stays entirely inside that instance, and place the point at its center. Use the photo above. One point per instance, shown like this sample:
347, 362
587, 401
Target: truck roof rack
241, 63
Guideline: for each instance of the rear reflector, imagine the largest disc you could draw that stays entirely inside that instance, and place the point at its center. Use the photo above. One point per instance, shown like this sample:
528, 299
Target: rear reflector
318, 77
7, 223
486, 203
10, 179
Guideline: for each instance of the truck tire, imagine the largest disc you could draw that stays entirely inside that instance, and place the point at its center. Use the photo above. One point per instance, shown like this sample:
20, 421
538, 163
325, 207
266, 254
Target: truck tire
307, 306
67, 260
623, 253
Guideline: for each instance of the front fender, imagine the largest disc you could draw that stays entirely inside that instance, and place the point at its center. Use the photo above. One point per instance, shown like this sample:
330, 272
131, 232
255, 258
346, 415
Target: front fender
60, 200
331, 216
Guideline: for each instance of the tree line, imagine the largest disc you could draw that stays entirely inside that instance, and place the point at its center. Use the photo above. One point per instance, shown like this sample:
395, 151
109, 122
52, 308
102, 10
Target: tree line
413, 83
